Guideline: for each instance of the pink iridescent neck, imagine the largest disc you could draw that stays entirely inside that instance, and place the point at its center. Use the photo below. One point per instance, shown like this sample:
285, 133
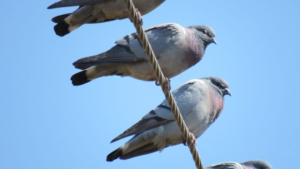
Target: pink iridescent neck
218, 103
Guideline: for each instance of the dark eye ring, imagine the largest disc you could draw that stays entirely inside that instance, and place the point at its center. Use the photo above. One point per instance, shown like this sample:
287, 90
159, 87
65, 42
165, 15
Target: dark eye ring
205, 31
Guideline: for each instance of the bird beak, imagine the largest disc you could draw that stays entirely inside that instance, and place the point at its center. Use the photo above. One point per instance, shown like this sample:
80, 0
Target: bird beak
215, 42
226, 92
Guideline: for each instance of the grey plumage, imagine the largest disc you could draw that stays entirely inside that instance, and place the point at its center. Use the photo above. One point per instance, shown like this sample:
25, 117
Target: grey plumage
253, 164
200, 102
96, 11
177, 48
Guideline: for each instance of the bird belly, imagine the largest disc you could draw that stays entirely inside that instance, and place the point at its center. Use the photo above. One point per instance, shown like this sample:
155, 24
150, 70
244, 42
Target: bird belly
172, 63
171, 135
141, 70
198, 120
118, 10
110, 10
171, 60
145, 6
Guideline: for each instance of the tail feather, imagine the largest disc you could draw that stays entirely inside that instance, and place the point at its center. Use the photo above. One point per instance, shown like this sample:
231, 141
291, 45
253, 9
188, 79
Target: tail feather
60, 18
149, 148
79, 78
114, 155
62, 28
66, 23
89, 61
138, 145
118, 153
73, 21
95, 72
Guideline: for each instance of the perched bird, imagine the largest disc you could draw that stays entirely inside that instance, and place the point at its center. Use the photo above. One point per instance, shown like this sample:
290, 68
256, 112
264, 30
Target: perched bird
253, 164
177, 48
200, 102
96, 11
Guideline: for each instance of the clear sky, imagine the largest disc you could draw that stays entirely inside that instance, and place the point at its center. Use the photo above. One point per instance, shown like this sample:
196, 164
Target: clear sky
47, 123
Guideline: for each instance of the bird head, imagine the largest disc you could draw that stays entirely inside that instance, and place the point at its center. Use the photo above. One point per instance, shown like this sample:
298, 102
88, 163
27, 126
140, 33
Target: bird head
207, 34
258, 164
220, 85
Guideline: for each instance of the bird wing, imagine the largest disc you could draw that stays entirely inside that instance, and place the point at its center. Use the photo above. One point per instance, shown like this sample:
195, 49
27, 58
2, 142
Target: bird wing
65, 3
159, 36
186, 97
129, 49
143, 125
227, 165
117, 55
161, 115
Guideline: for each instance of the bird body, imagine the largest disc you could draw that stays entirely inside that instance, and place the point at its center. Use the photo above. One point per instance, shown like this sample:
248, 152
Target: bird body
253, 164
96, 11
198, 101
177, 48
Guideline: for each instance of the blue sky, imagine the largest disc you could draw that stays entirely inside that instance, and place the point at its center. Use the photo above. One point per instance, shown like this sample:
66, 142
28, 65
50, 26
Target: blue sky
47, 123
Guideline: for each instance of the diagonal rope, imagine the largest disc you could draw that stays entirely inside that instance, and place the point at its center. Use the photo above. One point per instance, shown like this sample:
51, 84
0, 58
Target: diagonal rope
163, 82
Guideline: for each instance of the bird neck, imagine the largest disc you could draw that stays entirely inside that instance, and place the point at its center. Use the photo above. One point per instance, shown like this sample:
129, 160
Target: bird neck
200, 39
196, 44
218, 100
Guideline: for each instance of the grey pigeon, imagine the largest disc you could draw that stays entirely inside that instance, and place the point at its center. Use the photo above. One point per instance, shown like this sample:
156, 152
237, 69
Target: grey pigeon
200, 102
253, 164
177, 48
96, 11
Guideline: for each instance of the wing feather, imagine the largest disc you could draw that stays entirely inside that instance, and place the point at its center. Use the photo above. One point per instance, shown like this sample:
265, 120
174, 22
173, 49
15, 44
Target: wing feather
117, 55
129, 48
141, 126
66, 3
149, 148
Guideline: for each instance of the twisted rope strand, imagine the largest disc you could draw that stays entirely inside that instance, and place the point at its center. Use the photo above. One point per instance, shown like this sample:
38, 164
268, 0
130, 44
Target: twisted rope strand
163, 82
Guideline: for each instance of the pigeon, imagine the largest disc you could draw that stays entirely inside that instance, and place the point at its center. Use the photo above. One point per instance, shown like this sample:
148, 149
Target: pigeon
200, 102
177, 48
253, 164
96, 11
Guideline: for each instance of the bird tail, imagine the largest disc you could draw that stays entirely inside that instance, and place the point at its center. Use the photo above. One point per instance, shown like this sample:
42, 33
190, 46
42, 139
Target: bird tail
68, 23
118, 153
114, 155
89, 61
95, 72
149, 148
60, 18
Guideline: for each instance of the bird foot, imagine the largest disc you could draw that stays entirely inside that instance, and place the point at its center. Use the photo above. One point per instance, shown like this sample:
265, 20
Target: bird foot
192, 139
139, 15
168, 86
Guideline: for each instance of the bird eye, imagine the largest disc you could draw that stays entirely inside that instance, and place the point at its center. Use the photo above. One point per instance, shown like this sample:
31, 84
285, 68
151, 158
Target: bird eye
205, 31
218, 84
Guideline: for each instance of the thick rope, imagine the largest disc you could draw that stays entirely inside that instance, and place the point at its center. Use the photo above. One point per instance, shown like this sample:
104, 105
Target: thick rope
163, 82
